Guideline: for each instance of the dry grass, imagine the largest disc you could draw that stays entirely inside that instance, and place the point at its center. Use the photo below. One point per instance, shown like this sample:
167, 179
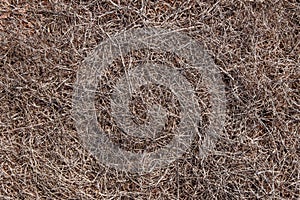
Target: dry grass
254, 43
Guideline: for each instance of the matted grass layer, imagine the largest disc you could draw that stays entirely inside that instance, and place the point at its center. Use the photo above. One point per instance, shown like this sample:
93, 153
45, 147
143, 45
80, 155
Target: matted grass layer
256, 46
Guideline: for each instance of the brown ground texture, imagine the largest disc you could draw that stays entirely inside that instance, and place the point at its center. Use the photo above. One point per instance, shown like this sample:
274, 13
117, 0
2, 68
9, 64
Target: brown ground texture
255, 44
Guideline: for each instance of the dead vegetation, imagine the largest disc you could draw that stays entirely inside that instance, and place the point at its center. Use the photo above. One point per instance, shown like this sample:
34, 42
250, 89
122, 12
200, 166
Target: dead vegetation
254, 43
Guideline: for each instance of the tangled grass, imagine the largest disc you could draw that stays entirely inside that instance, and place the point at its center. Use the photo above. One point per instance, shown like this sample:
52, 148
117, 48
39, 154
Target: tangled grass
256, 46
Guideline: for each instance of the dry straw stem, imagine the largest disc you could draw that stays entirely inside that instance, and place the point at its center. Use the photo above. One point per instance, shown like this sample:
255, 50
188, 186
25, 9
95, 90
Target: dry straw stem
256, 46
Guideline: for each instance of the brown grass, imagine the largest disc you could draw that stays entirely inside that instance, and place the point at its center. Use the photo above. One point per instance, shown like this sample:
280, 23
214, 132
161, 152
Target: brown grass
254, 43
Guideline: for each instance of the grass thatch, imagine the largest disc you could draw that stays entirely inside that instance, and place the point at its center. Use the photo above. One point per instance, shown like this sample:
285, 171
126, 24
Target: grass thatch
254, 43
